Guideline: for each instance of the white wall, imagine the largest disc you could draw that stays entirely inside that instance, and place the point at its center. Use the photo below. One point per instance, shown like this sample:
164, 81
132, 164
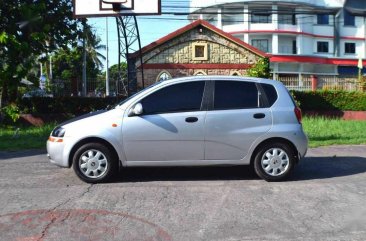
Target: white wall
353, 31
307, 45
324, 30
360, 49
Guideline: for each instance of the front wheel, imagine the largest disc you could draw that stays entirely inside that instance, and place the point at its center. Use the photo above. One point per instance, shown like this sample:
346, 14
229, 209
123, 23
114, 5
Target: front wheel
94, 162
274, 161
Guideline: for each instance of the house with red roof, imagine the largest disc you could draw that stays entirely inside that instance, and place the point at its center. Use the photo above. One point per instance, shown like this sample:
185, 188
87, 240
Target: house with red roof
196, 49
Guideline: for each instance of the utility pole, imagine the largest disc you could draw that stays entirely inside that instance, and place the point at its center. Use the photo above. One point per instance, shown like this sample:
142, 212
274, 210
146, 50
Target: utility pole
107, 65
51, 77
83, 93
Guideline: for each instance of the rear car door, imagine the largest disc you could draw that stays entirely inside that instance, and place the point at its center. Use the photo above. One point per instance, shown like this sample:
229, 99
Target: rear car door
236, 118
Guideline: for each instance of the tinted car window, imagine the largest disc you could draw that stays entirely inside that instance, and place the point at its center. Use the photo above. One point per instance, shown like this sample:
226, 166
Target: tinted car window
175, 98
270, 92
235, 95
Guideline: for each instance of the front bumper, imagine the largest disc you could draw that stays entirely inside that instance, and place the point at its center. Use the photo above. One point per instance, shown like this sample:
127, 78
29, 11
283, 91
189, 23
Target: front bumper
55, 153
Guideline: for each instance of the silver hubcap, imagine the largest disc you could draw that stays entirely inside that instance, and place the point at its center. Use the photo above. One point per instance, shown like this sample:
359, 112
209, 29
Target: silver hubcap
275, 162
93, 163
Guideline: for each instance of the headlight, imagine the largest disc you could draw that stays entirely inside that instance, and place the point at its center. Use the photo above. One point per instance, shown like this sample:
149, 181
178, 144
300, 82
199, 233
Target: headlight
58, 132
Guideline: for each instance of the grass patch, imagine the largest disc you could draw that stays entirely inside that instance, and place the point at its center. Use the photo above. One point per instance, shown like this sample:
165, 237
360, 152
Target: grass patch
323, 131
27, 137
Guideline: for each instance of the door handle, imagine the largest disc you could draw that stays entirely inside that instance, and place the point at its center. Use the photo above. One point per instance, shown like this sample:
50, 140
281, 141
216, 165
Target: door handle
259, 115
191, 119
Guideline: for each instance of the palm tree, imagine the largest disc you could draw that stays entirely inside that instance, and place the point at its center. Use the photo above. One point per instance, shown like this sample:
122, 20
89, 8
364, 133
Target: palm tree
93, 48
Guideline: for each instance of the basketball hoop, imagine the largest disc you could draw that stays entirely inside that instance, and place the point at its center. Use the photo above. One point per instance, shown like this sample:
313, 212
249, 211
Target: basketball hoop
114, 1
115, 8
116, 4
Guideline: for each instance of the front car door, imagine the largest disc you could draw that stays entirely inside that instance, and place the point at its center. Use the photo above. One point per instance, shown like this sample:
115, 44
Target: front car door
235, 120
171, 127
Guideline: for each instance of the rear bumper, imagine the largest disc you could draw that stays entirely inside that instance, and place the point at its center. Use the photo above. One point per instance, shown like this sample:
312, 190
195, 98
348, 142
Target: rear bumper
301, 144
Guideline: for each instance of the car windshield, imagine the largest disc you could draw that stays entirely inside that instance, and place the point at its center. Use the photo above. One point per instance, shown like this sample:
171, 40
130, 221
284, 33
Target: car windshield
141, 91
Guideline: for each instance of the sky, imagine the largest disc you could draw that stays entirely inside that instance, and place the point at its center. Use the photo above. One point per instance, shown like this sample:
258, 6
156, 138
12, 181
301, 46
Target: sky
151, 27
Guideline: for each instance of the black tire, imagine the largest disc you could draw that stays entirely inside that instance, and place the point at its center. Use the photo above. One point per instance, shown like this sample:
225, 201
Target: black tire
104, 172
277, 174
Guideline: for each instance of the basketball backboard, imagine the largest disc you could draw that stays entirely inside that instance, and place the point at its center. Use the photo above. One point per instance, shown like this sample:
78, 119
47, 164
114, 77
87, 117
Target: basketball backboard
105, 8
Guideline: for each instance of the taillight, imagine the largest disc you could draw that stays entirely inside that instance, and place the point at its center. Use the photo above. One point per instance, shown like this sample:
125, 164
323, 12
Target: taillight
298, 114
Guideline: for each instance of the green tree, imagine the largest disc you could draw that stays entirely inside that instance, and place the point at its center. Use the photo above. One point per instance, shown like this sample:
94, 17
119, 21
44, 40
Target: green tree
113, 71
67, 64
261, 69
29, 28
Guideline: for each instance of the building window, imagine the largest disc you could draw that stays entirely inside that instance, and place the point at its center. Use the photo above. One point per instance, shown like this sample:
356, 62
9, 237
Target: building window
261, 18
164, 75
350, 48
287, 19
323, 19
294, 47
199, 51
349, 20
261, 44
200, 72
323, 47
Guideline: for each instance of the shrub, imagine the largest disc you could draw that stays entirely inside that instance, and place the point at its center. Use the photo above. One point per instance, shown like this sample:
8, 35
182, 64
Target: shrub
331, 100
64, 105
261, 69
11, 113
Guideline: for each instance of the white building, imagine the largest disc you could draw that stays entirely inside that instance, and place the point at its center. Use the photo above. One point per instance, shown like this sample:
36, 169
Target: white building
303, 37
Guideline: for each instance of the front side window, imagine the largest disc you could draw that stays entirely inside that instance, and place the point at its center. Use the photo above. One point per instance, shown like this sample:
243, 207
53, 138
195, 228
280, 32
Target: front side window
261, 44
323, 19
235, 95
350, 48
182, 97
323, 47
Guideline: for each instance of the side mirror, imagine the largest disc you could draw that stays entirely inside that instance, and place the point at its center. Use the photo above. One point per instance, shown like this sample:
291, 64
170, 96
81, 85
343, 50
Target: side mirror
136, 110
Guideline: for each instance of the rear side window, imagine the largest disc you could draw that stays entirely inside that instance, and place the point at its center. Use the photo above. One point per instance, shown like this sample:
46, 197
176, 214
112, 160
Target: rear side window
270, 92
235, 95
175, 98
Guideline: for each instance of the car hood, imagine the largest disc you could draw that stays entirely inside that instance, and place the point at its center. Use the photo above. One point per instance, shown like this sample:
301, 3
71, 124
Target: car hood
94, 120
95, 113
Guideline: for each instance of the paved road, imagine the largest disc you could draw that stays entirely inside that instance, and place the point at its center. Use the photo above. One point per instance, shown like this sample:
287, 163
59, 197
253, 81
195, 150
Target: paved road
324, 200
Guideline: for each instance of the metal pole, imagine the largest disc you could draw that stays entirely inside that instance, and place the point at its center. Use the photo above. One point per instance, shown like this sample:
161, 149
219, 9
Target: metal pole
140, 54
119, 56
107, 70
84, 62
51, 75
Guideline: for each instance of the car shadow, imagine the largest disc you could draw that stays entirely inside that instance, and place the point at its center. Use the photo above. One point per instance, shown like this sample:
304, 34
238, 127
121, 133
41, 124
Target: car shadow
328, 167
148, 174
19, 154
309, 168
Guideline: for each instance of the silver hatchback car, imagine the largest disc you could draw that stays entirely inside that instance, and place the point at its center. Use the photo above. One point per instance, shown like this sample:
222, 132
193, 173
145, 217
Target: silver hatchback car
192, 121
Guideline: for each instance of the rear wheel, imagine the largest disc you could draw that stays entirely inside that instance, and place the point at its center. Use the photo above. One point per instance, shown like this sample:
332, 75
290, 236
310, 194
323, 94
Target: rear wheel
274, 161
94, 162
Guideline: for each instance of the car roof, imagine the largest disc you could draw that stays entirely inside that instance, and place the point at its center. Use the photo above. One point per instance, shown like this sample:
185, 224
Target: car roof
222, 77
